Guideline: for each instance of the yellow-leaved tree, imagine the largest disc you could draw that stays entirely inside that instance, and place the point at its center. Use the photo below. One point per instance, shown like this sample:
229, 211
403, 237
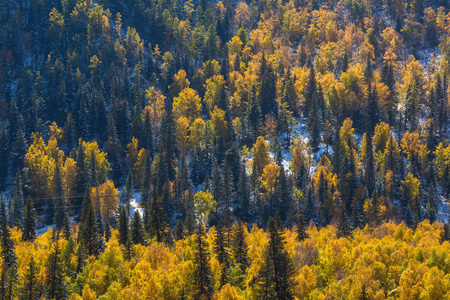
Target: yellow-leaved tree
105, 200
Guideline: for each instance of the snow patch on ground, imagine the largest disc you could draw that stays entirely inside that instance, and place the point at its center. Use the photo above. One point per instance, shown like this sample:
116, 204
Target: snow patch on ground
44, 229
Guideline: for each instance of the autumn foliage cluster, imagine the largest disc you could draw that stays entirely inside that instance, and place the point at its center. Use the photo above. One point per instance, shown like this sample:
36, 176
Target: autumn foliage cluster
390, 261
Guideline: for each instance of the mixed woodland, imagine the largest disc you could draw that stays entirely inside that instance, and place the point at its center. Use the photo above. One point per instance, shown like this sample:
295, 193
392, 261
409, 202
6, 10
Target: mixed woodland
263, 149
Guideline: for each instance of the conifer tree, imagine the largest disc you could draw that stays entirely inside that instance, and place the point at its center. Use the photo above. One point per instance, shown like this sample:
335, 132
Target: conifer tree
301, 226
239, 246
137, 234
228, 193
369, 171
59, 203
203, 284
343, 224
29, 288
66, 227
88, 228
189, 222
267, 93
221, 253
29, 221
4, 142
310, 206
276, 277
179, 230
56, 288
243, 208
284, 195
17, 202
431, 207
124, 230
167, 145
159, 216
8, 252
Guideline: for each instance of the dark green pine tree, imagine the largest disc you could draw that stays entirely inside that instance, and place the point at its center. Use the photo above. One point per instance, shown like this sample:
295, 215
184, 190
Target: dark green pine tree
12, 276
229, 194
343, 227
189, 222
221, 253
100, 233
310, 206
276, 277
254, 116
243, 207
4, 150
29, 289
55, 286
124, 229
66, 227
443, 109
8, 252
311, 92
82, 176
267, 92
203, 282
137, 234
371, 108
17, 202
357, 209
20, 145
284, 195
337, 160
88, 228
29, 221
147, 134
157, 217
167, 145
179, 230
301, 226
217, 189
369, 170
445, 233
431, 208
59, 203
239, 246
210, 50
413, 96
314, 121
387, 77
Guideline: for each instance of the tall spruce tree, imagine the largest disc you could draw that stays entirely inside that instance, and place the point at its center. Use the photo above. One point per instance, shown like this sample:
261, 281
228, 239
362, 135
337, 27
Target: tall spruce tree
276, 276
167, 145
8, 251
29, 221
137, 234
29, 289
59, 203
124, 230
17, 202
243, 207
239, 246
88, 228
55, 285
203, 282
267, 92
221, 253
157, 217
301, 226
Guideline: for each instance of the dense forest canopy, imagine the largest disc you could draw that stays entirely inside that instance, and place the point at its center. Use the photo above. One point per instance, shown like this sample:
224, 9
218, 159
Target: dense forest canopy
141, 140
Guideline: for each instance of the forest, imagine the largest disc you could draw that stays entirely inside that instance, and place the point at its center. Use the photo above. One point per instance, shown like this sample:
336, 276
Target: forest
257, 149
